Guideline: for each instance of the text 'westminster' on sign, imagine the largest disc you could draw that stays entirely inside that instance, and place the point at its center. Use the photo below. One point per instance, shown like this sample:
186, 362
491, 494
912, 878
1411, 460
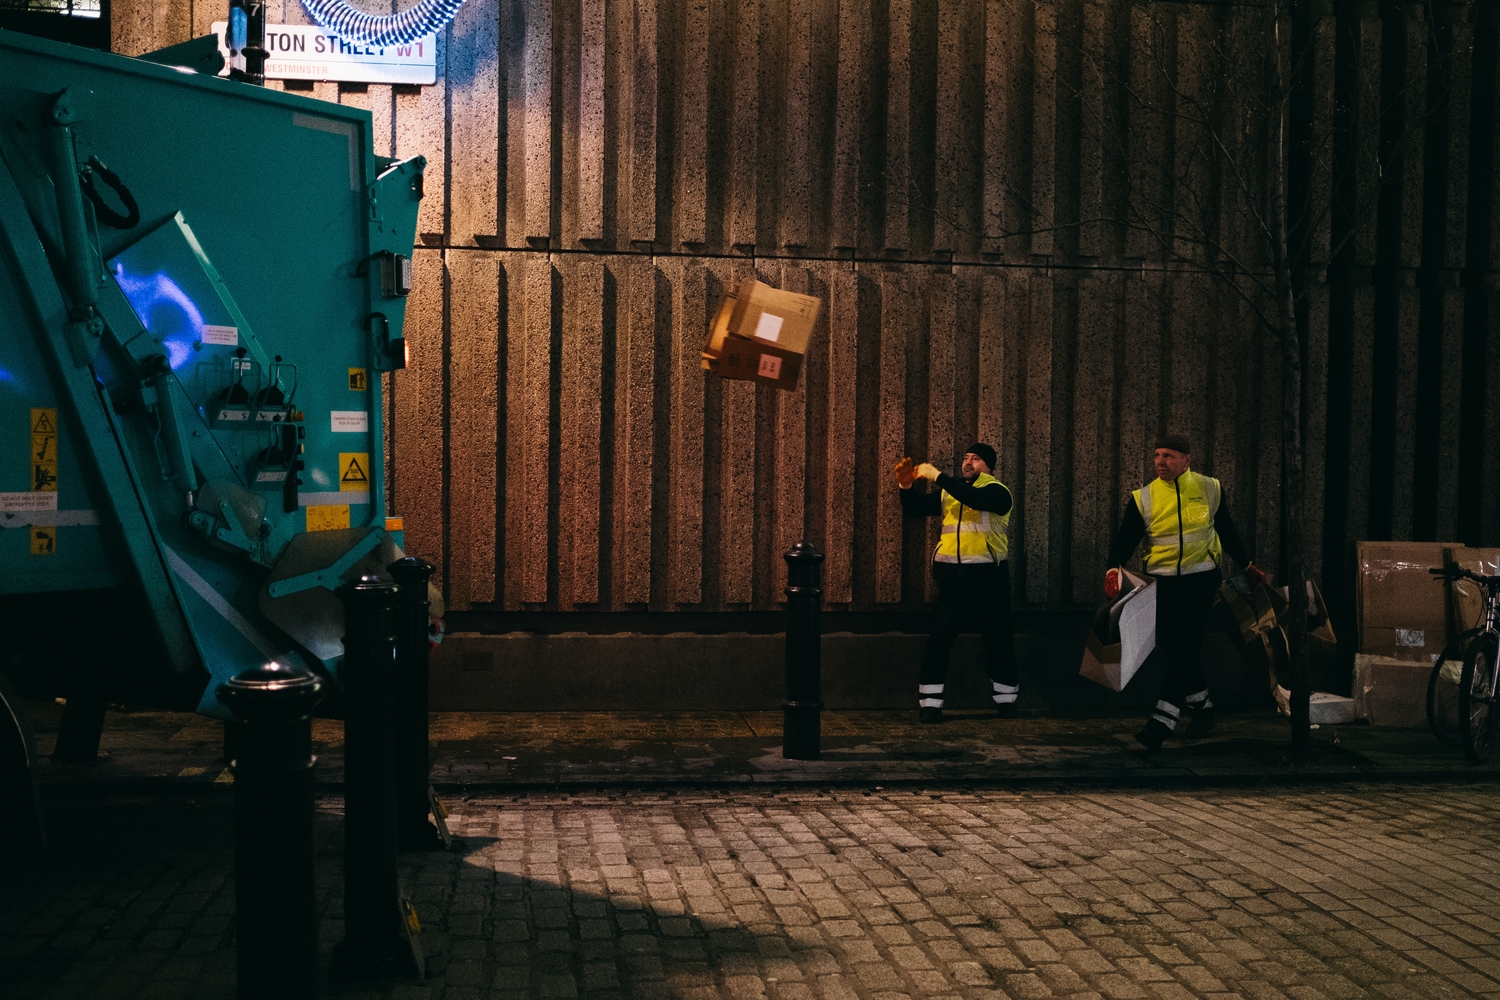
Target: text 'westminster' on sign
308, 52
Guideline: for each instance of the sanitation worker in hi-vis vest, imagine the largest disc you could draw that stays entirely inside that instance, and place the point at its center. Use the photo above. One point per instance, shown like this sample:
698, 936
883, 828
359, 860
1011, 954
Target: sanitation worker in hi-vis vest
1185, 520
971, 571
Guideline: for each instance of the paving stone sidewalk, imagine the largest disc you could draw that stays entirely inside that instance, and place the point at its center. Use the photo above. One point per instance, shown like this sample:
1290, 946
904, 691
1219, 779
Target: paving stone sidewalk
507, 751
760, 894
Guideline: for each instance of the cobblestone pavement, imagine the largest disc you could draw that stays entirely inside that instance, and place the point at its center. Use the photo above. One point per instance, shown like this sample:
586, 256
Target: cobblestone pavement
756, 894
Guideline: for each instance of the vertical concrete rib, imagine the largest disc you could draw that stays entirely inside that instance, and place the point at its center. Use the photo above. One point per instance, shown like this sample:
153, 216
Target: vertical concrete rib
1192, 297
796, 169
843, 377
942, 364
685, 585
536, 88
422, 130
532, 491
1460, 92
1044, 131
1367, 105
691, 127
745, 125
854, 19
474, 388
1404, 406
1315, 436
1267, 523
1093, 233
474, 99
581, 438
1320, 181
591, 101
998, 32
898, 128
895, 303
993, 320
635, 422
1093, 434
1413, 153
419, 415
1038, 520
1140, 406
950, 70
1361, 400
1145, 139
642, 178
1450, 419
791, 446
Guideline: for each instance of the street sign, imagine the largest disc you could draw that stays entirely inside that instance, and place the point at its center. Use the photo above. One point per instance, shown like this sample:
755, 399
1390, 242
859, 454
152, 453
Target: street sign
308, 52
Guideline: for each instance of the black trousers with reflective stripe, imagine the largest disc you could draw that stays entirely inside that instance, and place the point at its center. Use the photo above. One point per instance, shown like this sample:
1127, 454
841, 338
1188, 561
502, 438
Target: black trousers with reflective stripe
979, 594
1183, 604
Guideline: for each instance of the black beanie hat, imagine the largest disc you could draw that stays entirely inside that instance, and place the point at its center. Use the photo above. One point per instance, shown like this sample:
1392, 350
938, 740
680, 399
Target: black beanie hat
984, 451
1176, 442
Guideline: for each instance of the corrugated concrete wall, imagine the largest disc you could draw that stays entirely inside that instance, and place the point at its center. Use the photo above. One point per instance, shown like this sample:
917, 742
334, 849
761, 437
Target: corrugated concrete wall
953, 179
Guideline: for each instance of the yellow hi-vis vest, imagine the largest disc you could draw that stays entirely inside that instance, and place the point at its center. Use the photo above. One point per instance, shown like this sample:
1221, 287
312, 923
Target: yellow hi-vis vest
969, 535
1179, 520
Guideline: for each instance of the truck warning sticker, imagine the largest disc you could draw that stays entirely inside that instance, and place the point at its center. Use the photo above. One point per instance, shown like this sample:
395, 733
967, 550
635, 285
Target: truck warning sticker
43, 540
354, 470
328, 518
43, 456
359, 380
350, 421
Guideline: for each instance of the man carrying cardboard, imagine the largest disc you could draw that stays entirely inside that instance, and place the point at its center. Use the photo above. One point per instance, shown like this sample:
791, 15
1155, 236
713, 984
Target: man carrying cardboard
1185, 521
971, 571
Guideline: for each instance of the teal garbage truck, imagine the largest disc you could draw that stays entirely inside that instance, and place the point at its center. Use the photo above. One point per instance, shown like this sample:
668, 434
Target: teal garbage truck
202, 285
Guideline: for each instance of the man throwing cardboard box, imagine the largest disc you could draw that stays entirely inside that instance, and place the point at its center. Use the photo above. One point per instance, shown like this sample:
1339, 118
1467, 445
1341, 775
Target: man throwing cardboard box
1185, 521
971, 570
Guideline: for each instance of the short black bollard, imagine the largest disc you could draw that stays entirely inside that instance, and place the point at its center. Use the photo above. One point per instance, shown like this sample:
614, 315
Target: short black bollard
413, 770
801, 712
378, 943
276, 923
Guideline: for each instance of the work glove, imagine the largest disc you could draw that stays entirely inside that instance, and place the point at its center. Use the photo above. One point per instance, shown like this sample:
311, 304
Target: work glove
927, 471
1113, 579
1256, 575
906, 473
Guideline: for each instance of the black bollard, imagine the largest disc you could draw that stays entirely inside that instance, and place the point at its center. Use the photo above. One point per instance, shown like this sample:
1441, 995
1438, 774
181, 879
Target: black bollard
800, 738
377, 940
276, 922
413, 778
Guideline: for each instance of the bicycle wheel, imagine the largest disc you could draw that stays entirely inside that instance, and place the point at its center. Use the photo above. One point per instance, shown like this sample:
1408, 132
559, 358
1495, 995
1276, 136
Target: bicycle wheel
1476, 698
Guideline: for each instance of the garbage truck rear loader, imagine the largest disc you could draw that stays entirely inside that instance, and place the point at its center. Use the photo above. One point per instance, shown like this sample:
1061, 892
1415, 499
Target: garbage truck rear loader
202, 285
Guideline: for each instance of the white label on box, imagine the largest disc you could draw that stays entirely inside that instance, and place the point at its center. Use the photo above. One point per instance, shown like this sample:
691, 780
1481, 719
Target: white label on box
351, 422
16, 503
770, 366
221, 336
1411, 637
768, 327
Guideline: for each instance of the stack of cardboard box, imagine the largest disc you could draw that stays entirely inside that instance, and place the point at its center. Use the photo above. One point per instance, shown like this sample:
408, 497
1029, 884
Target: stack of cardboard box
761, 334
1406, 617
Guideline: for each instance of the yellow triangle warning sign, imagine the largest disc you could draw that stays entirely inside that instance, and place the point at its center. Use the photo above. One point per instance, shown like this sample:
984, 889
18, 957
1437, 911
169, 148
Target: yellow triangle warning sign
353, 474
43, 420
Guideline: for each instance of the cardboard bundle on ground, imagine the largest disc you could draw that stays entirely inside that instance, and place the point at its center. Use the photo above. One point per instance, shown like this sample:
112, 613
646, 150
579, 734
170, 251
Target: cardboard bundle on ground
761, 334
1402, 609
1123, 636
1390, 691
1253, 615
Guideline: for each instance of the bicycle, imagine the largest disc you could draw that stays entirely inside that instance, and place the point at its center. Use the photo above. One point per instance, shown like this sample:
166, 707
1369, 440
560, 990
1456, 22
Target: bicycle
1476, 649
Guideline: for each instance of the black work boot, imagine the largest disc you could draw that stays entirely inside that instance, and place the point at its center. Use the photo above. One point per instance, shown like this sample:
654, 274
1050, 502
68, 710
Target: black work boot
1202, 724
1006, 710
1153, 735
930, 715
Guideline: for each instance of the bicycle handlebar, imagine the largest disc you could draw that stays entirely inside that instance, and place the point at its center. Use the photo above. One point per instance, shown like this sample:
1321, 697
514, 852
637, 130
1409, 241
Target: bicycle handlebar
1453, 571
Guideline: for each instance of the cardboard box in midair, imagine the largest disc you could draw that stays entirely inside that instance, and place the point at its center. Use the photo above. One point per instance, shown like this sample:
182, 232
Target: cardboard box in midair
1402, 608
761, 335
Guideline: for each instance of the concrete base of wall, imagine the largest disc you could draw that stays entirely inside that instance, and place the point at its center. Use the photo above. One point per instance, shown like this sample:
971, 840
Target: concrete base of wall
681, 672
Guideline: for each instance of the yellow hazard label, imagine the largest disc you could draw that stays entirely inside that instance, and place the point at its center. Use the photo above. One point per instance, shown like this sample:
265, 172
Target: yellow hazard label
354, 470
43, 540
395, 524
359, 380
43, 454
328, 518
